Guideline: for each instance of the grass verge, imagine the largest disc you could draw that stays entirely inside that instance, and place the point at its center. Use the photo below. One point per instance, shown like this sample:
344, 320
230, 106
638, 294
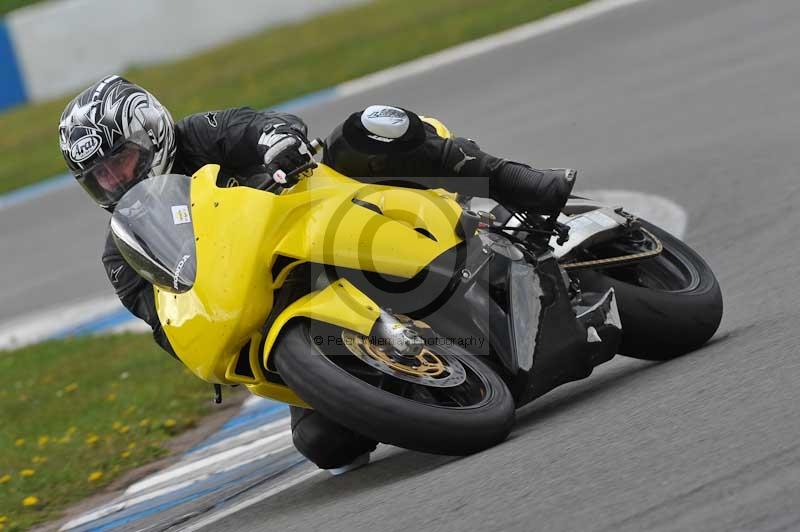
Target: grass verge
7, 6
277, 65
77, 413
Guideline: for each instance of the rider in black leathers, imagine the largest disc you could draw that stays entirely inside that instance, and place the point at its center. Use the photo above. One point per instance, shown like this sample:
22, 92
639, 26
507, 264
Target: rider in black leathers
115, 133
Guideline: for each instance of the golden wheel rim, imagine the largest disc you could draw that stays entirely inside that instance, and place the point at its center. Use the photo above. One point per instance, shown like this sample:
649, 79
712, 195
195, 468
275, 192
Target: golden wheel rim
426, 367
425, 364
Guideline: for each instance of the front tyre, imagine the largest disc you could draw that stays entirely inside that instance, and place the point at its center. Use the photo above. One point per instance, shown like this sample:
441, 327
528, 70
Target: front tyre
452, 404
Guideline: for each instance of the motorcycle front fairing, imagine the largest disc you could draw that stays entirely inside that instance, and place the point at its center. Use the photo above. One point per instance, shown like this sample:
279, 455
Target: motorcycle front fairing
214, 285
214, 323
206, 272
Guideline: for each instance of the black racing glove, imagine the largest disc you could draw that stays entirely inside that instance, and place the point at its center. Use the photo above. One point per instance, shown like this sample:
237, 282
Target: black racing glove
286, 150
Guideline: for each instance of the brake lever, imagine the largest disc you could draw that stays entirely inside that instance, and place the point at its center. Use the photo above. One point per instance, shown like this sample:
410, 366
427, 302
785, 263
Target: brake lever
311, 165
315, 147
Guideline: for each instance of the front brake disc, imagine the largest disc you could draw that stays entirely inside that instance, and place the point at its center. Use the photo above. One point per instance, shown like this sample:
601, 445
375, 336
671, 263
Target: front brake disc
428, 369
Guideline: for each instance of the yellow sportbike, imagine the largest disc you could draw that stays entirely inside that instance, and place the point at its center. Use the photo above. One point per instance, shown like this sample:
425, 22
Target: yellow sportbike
399, 312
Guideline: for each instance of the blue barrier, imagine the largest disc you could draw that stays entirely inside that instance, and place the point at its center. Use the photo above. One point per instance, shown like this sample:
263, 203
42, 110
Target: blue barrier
12, 88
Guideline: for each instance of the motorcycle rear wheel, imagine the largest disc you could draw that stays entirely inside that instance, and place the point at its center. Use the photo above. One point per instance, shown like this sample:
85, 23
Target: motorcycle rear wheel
669, 305
457, 420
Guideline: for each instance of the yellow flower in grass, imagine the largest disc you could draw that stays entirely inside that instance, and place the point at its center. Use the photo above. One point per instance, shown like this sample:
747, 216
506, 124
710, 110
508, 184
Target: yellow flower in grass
132, 445
170, 423
43, 440
125, 454
5, 479
72, 430
19, 442
71, 387
3, 519
145, 422
27, 473
111, 397
30, 501
95, 476
91, 439
39, 459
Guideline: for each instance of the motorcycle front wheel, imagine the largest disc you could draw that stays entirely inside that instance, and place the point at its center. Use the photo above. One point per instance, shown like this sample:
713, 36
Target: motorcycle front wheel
450, 402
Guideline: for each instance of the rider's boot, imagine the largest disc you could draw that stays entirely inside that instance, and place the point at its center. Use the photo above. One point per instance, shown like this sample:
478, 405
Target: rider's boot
539, 191
329, 445
513, 184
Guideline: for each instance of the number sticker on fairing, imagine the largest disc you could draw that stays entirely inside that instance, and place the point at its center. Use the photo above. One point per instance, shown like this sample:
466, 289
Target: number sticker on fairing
180, 214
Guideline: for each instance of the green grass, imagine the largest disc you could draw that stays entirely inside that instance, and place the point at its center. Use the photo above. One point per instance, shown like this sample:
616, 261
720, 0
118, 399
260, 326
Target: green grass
10, 5
75, 407
277, 65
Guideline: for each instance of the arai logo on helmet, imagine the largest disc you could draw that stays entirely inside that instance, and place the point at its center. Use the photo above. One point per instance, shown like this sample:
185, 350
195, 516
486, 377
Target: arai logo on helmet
85, 148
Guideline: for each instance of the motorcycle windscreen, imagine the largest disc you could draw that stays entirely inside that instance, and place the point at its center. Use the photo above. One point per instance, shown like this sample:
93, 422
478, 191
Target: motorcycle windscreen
152, 228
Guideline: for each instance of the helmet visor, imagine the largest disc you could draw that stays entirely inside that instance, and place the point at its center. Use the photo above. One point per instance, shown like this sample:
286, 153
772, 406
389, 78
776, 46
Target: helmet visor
110, 177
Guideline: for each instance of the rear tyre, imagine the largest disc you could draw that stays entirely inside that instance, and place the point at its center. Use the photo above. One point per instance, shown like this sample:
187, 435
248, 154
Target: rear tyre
669, 305
454, 420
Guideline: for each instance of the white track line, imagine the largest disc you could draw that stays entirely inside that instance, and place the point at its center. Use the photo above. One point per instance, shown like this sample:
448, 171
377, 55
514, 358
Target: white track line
252, 401
133, 325
213, 518
179, 482
238, 455
480, 46
38, 326
241, 438
115, 507
191, 471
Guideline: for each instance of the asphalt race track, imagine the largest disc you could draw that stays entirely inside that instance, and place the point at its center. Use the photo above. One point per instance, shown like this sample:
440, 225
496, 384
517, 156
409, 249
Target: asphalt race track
695, 100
